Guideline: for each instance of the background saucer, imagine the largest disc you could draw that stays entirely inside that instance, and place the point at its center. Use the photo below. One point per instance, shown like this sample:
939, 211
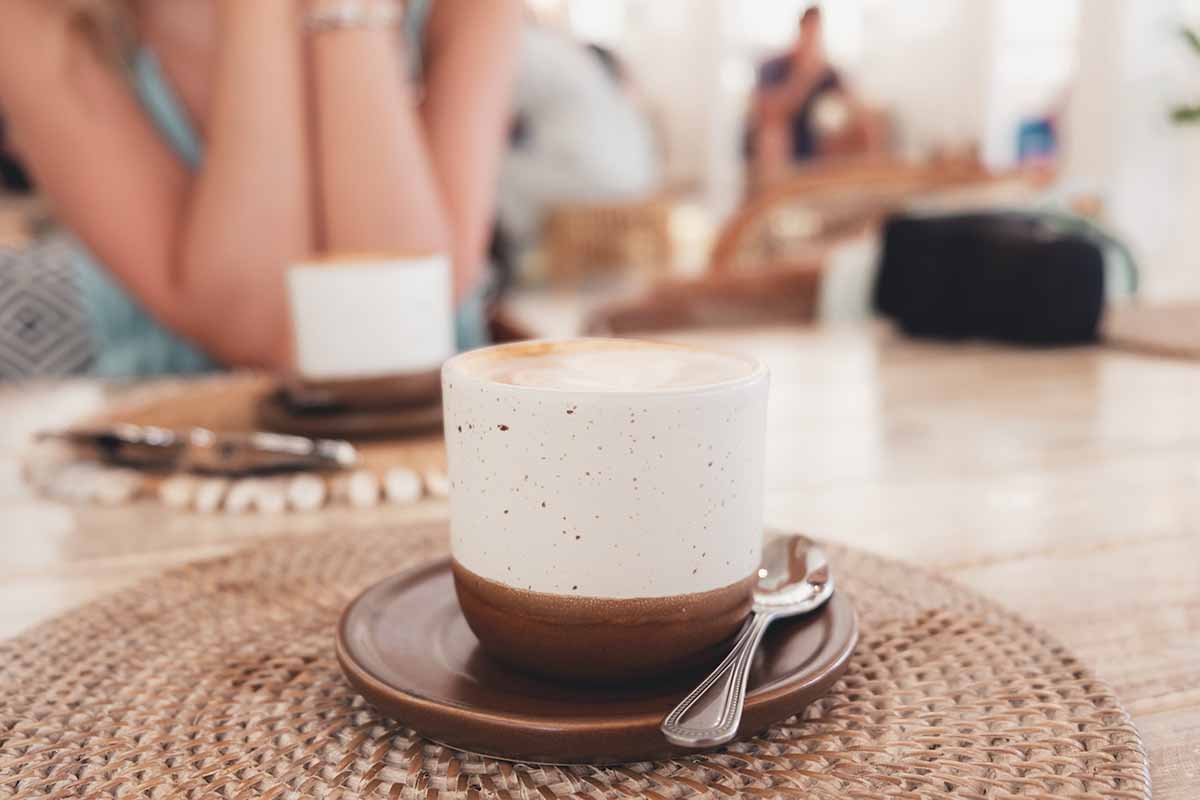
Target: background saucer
274, 413
381, 392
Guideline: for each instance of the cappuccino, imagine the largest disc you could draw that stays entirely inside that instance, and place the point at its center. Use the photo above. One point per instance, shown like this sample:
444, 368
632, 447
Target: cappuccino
606, 501
606, 365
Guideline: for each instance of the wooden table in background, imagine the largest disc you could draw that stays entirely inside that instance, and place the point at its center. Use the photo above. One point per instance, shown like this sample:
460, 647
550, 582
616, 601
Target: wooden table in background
1063, 483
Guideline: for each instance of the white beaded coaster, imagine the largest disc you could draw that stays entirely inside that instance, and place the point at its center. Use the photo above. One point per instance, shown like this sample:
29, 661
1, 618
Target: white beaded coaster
89, 483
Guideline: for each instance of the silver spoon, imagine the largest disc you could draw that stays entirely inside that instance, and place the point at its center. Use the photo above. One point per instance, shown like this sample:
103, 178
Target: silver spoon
794, 579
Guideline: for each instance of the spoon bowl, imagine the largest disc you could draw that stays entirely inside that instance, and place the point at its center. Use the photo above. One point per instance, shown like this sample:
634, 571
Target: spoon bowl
795, 574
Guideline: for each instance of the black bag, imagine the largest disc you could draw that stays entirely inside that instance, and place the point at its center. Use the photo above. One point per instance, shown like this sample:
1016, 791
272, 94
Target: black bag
1019, 277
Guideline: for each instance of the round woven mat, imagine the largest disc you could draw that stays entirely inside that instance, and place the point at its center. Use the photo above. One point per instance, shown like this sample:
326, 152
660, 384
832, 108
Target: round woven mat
219, 680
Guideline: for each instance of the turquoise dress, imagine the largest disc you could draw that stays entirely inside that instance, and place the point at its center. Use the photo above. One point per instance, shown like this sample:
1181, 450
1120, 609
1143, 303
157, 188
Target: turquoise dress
127, 340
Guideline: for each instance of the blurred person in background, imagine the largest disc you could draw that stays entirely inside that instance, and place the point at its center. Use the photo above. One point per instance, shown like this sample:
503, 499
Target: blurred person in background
786, 118
578, 136
648, 114
196, 148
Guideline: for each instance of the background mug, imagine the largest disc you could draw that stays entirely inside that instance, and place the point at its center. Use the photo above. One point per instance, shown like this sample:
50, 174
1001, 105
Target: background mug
363, 316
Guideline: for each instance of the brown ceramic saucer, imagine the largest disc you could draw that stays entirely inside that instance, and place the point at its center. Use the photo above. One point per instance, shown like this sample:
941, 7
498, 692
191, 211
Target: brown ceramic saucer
274, 413
383, 392
404, 644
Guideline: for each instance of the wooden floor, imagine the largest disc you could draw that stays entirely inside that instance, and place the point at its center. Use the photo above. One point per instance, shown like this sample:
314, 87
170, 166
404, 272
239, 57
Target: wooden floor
1063, 483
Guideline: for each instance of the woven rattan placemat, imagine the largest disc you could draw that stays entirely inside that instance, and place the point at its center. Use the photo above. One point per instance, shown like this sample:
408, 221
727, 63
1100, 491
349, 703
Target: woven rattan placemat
219, 680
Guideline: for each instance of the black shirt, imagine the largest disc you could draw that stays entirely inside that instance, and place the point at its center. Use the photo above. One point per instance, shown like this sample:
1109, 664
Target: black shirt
774, 73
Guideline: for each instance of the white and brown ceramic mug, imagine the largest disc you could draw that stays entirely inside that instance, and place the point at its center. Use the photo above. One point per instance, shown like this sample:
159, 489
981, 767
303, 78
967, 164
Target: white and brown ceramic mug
606, 502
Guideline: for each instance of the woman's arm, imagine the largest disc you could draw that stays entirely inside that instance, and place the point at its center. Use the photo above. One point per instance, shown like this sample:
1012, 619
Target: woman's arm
377, 190
468, 85
250, 211
401, 179
205, 254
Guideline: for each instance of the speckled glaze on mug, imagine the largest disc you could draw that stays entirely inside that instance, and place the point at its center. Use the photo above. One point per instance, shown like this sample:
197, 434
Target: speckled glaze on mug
606, 502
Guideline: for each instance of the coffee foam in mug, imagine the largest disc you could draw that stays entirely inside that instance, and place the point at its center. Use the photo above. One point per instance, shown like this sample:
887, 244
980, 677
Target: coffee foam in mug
608, 365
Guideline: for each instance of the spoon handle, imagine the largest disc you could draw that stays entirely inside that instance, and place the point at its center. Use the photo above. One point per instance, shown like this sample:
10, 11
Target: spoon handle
710, 715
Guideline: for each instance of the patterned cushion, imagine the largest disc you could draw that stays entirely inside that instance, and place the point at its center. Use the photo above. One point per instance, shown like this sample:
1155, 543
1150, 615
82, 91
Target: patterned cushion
44, 328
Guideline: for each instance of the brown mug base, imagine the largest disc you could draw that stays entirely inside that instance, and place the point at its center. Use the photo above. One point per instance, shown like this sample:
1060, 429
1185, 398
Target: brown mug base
601, 640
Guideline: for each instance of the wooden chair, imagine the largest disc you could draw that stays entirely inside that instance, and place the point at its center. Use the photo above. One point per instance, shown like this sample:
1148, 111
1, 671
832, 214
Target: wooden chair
779, 296
795, 220
768, 260
585, 239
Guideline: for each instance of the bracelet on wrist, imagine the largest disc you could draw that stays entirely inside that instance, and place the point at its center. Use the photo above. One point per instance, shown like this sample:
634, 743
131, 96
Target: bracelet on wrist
354, 14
